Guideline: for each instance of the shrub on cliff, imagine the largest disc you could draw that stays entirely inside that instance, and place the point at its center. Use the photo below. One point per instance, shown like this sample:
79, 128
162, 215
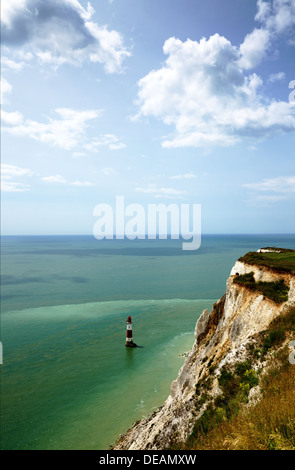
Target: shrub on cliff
276, 291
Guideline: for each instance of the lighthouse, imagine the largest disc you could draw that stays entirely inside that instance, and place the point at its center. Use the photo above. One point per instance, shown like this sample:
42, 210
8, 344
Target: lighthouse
129, 338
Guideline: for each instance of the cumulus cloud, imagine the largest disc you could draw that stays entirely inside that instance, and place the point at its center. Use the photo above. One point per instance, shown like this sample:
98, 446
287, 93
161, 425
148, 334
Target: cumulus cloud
61, 31
277, 16
254, 48
205, 90
204, 93
66, 131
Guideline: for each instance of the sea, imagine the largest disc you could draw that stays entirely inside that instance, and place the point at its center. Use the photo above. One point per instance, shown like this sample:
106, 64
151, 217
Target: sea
68, 382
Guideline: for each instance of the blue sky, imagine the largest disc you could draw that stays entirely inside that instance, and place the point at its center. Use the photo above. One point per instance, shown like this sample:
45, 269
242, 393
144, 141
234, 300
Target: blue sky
161, 101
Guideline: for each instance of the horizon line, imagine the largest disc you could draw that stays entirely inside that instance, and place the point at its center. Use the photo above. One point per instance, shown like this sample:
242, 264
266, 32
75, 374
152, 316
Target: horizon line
137, 237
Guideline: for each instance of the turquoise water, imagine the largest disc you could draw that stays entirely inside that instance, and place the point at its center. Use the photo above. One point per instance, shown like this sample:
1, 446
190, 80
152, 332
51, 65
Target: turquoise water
67, 379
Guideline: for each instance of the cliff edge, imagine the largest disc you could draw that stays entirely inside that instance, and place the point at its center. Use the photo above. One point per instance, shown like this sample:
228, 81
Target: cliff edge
259, 290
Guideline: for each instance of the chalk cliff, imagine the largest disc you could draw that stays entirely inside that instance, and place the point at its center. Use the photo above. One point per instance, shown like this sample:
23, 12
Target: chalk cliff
222, 337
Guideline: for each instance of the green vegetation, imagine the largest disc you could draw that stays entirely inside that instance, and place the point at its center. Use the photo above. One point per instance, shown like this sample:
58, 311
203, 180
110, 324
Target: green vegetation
235, 387
269, 424
279, 329
282, 260
276, 291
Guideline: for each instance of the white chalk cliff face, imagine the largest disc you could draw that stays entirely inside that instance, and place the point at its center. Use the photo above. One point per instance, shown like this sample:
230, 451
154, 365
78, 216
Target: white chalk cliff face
221, 337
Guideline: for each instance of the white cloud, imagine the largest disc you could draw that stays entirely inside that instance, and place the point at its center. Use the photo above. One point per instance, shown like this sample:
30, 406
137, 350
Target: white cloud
110, 141
264, 200
108, 171
264, 10
203, 93
82, 183
61, 31
271, 190
6, 88
184, 176
54, 179
8, 175
8, 8
254, 48
277, 16
111, 52
277, 77
78, 154
7, 63
169, 193
65, 131
117, 146
14, 187
12, 118
281, 184
9, 171
61, 180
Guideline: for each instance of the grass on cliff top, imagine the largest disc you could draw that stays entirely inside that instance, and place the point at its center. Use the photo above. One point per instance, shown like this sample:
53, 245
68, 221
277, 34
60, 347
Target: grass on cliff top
280, 261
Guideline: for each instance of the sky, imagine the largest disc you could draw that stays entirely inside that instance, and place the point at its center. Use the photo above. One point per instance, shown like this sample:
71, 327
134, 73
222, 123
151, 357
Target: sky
159, 101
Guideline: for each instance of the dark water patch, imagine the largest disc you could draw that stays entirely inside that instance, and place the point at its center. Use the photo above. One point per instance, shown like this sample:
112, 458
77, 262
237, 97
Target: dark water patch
146, 251
89, 247
7, 280
10, 280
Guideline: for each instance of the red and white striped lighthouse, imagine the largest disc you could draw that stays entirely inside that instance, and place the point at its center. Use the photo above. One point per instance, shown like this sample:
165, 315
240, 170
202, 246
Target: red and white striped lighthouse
129, 336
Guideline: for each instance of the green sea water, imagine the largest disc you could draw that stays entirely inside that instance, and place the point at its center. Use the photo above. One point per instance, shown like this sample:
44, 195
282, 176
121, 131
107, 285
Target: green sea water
67, 379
